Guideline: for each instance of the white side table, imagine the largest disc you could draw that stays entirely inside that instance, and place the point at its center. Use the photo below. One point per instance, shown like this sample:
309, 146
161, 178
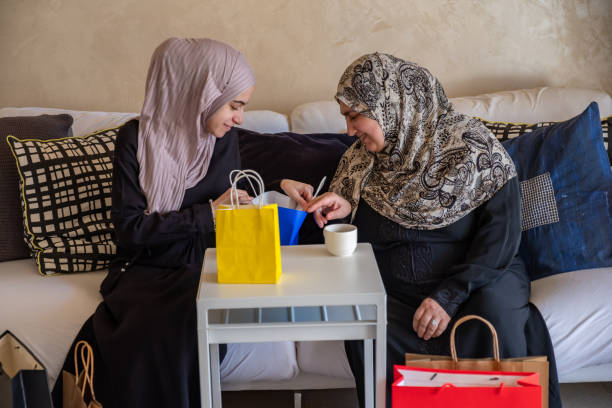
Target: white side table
318, 297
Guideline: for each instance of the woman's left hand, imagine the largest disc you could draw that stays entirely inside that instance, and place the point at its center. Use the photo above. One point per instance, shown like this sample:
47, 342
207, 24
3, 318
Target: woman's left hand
430, 319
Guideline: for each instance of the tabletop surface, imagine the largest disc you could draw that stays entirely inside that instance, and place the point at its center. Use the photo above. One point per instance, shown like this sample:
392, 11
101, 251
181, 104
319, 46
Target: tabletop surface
310, 275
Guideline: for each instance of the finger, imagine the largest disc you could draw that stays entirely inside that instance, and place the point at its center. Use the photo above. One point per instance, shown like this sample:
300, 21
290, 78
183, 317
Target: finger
319, 202
417, 318
441, 327
301, 201
319, 219
314, 205
332, 215
423, 323
430, 329
307, 195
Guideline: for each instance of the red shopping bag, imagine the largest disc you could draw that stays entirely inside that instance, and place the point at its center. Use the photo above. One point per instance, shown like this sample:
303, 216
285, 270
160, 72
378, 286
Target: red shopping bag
435, 388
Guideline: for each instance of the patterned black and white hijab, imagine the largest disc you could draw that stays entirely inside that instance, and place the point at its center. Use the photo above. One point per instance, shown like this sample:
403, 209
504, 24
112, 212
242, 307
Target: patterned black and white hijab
437, 165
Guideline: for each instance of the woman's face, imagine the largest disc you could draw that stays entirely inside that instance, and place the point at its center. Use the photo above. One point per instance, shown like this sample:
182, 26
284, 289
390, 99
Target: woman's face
230, 114
367, 130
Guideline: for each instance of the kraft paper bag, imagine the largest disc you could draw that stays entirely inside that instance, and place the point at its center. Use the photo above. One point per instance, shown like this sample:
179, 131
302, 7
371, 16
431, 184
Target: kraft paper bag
78, 391
536, 364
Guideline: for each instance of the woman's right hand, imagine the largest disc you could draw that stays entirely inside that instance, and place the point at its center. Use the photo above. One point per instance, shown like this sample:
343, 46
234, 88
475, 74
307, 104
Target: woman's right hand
225, 198
327, 207
300, 192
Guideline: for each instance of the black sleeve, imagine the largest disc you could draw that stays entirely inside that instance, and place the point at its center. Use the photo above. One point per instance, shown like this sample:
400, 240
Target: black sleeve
133, 228
493, 248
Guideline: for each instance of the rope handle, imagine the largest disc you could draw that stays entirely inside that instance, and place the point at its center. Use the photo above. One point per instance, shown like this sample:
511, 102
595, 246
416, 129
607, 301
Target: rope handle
86, 353
464, 319
237, 175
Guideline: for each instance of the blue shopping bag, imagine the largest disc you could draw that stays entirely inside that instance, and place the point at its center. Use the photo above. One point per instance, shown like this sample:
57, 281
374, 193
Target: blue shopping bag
289, 223
290, 217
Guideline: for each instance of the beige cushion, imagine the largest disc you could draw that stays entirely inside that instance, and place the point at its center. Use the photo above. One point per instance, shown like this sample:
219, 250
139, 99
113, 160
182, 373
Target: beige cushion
524, 105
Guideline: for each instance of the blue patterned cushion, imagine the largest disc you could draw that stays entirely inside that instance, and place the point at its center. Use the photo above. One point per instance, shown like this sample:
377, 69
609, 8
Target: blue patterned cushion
566, 192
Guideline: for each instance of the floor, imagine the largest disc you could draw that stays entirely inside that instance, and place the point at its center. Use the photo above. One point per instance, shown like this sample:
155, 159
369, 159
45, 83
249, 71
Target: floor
578, 395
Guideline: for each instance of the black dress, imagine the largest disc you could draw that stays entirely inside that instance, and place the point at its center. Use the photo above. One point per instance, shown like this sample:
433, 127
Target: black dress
468, 267
144, 332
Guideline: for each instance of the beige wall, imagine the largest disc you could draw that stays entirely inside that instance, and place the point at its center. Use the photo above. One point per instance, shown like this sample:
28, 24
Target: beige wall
93, 55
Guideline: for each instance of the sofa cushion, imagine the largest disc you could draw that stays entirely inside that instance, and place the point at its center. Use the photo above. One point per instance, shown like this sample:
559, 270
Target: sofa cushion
85, 122
506, 130
290, 155
565, 187
37, 127
66, 197
605, 131
543, 104
577, 309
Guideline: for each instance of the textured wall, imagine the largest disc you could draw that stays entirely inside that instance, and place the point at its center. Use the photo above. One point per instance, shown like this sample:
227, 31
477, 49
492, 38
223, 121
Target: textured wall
93, 55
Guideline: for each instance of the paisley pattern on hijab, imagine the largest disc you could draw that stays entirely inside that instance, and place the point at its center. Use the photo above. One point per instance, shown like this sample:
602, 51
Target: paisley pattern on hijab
436, 166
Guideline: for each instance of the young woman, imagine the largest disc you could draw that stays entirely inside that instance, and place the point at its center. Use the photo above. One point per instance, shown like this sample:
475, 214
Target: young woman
437, 196
171, 171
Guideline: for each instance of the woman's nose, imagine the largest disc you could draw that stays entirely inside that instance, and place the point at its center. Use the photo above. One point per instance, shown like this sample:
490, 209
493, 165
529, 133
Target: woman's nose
238, 118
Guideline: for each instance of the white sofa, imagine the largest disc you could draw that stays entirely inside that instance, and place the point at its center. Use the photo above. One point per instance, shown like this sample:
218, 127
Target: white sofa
46, 312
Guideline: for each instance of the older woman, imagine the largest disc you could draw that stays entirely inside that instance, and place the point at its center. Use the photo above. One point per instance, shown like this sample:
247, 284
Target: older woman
437, 196
171, 171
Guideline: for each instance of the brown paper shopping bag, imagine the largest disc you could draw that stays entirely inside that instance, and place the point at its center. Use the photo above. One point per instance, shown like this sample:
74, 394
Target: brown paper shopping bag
78, 388
538, 364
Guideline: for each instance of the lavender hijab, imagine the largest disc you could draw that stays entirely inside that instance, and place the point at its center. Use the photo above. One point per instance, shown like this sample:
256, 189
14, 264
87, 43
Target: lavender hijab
188, 81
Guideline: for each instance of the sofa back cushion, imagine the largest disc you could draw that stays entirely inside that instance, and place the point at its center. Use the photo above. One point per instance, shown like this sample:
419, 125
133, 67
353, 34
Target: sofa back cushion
65, 189
544, 104
566, 186
507, 130
87, 122
37, 127
302, 157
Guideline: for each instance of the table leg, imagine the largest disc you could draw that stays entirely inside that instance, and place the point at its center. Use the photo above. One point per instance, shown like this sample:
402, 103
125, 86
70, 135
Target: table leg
381, 360
204, 360
368, 362
215, 376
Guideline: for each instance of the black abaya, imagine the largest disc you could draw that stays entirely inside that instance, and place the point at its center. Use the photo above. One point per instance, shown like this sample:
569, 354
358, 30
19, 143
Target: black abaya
468, 267
144, 331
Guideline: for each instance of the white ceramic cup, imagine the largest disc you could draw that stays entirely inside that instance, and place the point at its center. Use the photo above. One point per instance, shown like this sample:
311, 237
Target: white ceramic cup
340, 239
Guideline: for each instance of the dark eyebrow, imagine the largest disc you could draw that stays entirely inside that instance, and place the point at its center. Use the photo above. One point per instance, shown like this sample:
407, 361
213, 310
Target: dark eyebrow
239, 102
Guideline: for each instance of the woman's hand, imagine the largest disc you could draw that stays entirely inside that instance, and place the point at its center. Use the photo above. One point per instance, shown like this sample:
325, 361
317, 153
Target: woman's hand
430, 319
225, 198
327, 207
300, 192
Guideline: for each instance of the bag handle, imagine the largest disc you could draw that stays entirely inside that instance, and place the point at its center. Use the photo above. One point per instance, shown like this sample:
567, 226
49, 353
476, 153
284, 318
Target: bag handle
237, 175
464, 319
86, 353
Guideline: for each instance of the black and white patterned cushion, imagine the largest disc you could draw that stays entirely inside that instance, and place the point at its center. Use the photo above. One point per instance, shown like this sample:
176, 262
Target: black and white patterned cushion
65, 189
506, 131
605, 129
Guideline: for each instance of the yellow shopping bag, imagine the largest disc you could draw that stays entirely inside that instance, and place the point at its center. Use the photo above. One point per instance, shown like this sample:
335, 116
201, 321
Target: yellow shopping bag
248, 239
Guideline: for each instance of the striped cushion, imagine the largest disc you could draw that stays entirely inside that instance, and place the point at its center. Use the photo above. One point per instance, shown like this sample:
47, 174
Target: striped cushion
65, 189
506, 131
